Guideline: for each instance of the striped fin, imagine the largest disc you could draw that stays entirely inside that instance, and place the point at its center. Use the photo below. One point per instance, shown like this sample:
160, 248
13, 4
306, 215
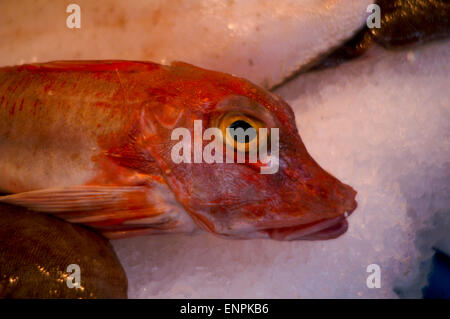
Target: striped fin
78, 198
110, 209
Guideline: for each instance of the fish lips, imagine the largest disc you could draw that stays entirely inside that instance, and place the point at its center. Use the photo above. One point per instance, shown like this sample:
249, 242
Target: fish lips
322, 230
327, 228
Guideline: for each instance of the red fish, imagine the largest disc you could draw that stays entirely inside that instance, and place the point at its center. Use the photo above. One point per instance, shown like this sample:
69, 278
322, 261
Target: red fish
90, 142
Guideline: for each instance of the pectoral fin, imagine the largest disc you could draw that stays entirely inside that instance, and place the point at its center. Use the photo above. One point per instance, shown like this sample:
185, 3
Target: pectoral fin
109, 208
78, 198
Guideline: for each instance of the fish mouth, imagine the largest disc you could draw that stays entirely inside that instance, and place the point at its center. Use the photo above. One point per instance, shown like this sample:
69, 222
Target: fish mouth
321, 230
332, 225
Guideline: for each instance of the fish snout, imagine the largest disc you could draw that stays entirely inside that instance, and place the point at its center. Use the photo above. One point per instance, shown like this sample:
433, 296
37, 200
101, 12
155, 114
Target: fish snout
315, 203
317, 211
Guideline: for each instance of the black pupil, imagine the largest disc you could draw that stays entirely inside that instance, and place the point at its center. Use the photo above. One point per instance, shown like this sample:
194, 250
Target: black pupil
240, 124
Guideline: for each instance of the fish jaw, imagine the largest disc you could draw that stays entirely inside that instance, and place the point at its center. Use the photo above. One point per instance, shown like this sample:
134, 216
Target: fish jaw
322, 230
326, 229
304, 208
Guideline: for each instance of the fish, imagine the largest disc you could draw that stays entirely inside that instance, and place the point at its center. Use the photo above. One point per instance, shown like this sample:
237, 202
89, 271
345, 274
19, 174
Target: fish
91, 142
37, 253
403, 23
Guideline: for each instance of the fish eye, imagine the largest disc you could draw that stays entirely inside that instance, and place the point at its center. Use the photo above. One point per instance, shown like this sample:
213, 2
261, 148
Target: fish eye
244, 126
240, 131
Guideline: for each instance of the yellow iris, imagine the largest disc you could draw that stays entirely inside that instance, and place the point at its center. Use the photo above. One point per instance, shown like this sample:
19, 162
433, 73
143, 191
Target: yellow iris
246, 131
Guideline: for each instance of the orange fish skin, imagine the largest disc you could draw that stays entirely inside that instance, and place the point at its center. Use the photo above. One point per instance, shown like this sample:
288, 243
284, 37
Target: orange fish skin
109, 123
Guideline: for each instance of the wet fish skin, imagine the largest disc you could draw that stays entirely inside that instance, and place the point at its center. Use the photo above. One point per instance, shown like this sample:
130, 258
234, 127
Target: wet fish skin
35, 251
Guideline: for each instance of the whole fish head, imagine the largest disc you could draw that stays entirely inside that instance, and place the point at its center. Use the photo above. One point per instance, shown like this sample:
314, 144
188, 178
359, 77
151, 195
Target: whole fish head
297, 199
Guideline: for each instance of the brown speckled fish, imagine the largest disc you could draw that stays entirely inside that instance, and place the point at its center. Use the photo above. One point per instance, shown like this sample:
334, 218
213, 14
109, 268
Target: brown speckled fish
36, 250
91, 143
402, 23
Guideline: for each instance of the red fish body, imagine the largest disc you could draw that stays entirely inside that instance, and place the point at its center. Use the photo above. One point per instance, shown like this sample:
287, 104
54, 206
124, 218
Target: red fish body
91, 143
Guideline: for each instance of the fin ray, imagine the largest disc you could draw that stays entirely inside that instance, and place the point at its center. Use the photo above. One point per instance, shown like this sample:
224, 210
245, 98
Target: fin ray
78, 198
115, 211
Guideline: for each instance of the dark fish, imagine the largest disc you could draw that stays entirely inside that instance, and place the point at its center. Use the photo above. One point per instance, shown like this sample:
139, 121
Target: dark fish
35, 251
403, 22
410, 21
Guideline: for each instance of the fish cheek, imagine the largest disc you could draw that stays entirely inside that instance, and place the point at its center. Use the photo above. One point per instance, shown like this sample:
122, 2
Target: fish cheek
237, 197
207, 191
